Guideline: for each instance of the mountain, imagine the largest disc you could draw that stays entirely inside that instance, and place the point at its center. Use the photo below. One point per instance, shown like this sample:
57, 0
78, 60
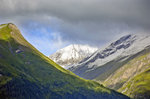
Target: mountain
123, 66
25, 73
106, 61
72, 54
133, 78
139, 86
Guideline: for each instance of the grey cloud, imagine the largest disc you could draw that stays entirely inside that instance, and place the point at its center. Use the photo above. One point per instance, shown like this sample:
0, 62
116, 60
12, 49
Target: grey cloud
88, 20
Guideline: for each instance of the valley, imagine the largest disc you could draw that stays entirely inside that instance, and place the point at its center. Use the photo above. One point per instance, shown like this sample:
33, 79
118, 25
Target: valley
120, 65
74, 49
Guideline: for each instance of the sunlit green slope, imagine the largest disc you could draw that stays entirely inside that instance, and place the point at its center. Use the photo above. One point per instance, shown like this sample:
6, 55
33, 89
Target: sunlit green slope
139, 86
25, 73
133, 78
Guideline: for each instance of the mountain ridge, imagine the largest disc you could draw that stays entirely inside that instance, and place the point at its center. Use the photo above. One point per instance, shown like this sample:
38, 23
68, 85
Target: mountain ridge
26, 73
102, 60
126, 72
128, 79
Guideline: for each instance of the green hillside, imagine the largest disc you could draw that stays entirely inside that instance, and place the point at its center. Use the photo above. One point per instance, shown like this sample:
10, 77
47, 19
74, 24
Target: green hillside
139, 86
132, 78
25, 73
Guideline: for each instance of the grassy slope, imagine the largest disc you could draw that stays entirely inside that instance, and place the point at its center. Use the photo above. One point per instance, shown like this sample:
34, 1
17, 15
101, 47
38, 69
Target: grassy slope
27, 73
121, 80
139, 86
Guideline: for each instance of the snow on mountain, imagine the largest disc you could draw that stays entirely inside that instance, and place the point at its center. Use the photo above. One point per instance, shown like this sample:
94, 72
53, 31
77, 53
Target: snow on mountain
72, 54
126, 46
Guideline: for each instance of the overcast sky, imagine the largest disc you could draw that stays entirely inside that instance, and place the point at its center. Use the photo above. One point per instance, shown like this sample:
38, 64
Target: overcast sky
52, 24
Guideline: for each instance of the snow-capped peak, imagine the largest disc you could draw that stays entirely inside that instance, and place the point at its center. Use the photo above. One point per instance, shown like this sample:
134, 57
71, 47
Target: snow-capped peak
72, 54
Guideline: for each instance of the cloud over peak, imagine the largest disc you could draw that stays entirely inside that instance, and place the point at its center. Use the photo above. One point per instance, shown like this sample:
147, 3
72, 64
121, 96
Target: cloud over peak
94, 21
